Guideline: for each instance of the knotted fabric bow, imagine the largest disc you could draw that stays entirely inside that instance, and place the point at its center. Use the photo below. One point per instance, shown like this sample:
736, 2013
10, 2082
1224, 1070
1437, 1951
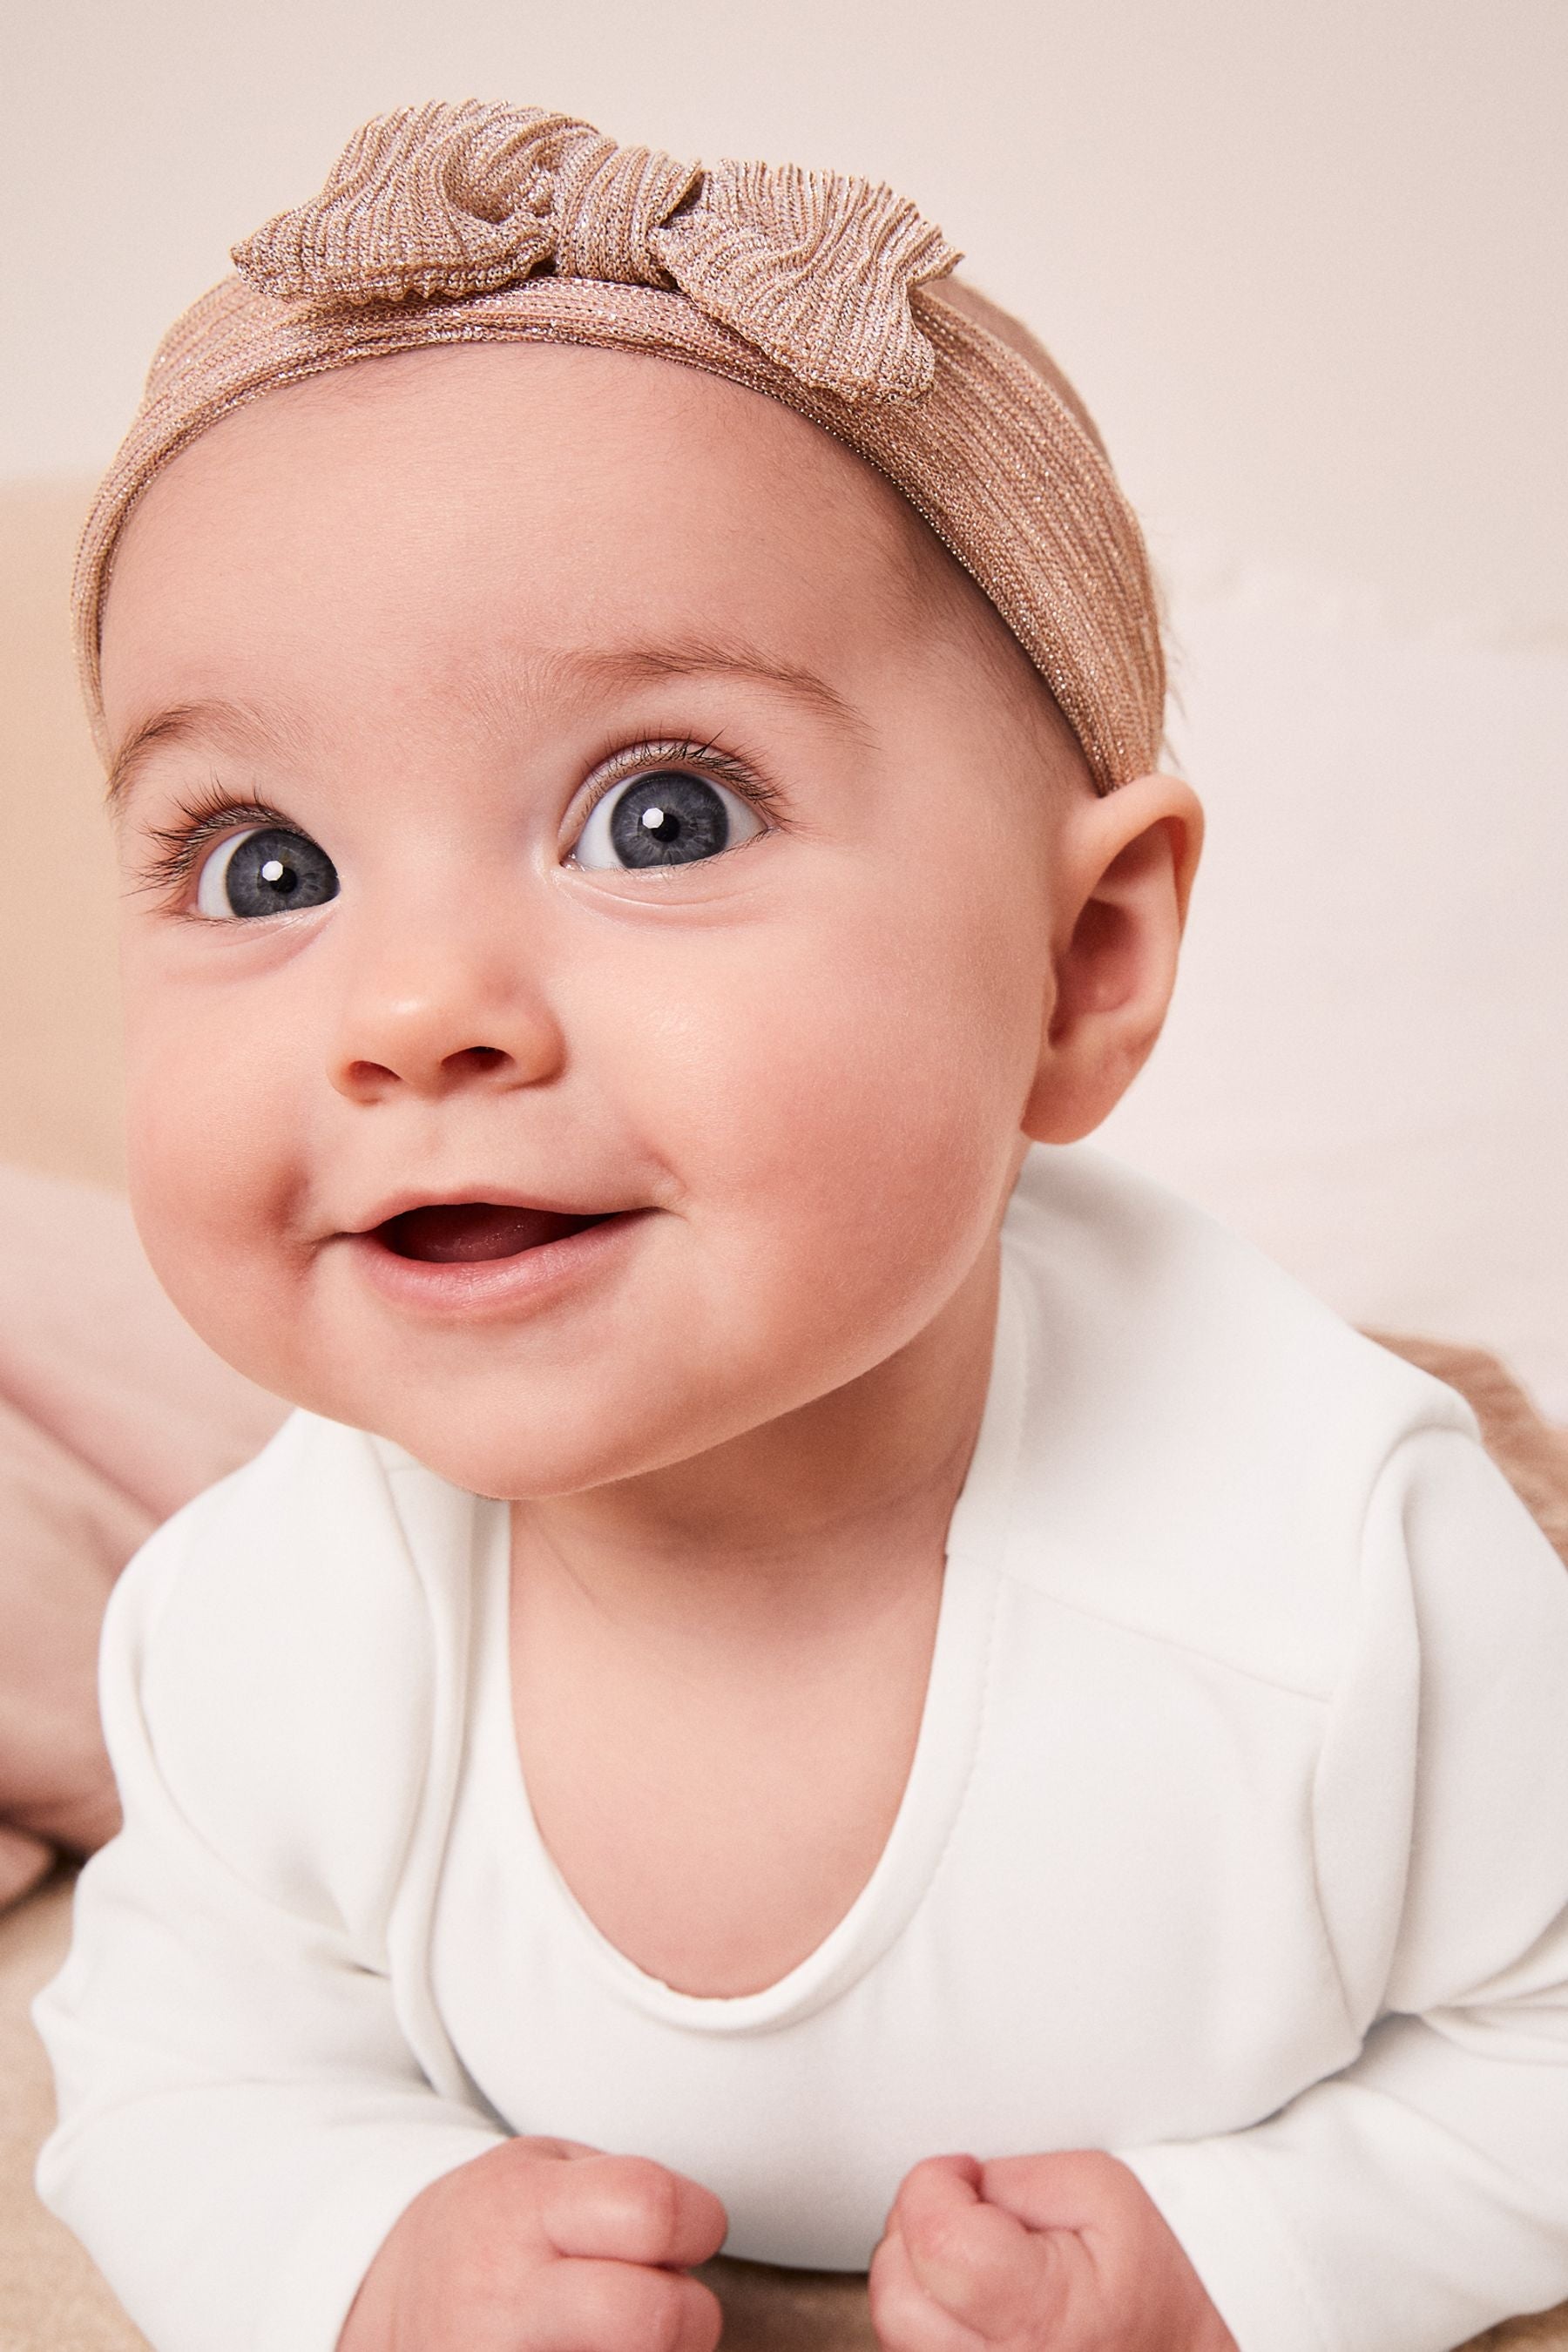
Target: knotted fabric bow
437, 202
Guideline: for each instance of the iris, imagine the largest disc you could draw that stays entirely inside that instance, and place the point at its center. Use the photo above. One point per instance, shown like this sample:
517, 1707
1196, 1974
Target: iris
669, 819
272, 872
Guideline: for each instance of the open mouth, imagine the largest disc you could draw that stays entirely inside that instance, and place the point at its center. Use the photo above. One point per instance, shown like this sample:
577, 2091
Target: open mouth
448, 1233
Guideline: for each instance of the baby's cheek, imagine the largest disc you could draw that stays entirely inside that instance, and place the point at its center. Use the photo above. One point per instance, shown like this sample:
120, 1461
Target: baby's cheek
910, 1074
216, 1173
846, 1106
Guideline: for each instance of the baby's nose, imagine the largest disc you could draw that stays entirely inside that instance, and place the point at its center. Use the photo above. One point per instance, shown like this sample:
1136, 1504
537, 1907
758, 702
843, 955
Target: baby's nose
435, 1021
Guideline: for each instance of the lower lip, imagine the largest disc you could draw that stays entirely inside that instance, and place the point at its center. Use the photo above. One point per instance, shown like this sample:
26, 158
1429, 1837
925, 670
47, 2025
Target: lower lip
459, 1289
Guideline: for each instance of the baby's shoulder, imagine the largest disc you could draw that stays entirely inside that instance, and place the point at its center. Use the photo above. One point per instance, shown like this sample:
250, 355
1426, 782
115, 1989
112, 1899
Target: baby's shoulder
312, 1529
279, 1639
1201, 1435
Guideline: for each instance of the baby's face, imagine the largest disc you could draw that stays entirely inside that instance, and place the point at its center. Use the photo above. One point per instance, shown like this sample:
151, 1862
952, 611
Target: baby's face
575, 791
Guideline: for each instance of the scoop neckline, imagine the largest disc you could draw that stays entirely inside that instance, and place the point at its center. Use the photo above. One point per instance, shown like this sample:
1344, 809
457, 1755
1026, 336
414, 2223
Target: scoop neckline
938, 1771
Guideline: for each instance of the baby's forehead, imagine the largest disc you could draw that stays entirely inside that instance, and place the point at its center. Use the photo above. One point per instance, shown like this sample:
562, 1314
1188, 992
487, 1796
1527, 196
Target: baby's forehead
632, 420
610, 479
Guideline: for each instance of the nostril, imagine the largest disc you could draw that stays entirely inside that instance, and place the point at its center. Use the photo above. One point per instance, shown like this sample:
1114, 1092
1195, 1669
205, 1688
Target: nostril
366, 1074
476, 1057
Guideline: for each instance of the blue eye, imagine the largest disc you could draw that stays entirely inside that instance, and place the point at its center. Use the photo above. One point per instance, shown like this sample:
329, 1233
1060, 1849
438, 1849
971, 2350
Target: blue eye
666, 818
271, 871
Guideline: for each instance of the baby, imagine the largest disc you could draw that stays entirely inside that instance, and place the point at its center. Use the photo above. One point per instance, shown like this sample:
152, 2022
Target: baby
823, 1669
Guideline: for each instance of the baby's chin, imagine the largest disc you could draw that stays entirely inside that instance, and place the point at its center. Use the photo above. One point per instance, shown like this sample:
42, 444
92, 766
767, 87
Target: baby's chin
489, 1447
494, 1421
493, 1407
511, 1465
498, 1420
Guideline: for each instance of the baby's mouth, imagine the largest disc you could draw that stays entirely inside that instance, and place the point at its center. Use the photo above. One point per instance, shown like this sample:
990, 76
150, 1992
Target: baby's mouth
449, 1231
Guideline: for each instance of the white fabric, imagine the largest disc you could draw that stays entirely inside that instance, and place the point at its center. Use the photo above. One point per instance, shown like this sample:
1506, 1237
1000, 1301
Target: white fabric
1235, 1841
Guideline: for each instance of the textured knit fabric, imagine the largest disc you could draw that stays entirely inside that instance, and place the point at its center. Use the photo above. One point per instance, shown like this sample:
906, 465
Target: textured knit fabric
453, 225
1235, 1841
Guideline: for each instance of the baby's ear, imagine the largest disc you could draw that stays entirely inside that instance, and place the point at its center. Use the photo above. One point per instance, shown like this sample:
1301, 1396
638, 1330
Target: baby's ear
1125, 869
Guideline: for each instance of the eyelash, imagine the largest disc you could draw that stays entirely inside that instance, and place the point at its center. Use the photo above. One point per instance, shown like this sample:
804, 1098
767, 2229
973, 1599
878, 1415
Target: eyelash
647, 759
204, 818
209, 815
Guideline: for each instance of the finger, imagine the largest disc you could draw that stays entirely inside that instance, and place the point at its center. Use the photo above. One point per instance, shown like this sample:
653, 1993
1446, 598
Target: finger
980, 2262
903, 2314
603, 2306
627, 2208
543, 2144
945, 2226
939, 2186
941, 2171
1070, 2189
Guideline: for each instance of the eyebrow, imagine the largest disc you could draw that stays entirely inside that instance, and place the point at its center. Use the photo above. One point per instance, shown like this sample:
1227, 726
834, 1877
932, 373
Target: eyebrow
529, 677
227, 726
231, 726
695, 658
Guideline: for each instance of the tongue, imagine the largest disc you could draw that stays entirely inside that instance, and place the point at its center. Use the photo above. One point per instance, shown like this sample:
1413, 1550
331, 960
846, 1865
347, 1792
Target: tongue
474, 1229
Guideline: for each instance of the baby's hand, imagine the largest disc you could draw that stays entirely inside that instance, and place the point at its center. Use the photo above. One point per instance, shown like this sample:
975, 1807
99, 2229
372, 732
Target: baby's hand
543, 2245
1036, 2253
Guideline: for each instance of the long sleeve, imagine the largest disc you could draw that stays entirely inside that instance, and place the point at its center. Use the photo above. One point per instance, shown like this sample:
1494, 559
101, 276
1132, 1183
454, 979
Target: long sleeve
1421, 2194
242, 2114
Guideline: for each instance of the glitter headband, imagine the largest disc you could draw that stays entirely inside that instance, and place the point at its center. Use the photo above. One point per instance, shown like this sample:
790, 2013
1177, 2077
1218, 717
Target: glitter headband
445, 224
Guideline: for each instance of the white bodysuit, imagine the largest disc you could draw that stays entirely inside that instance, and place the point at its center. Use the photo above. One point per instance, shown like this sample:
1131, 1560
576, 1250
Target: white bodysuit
1236, 1842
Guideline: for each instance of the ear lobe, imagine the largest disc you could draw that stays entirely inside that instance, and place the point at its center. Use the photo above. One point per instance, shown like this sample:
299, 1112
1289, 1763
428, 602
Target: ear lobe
1128, 868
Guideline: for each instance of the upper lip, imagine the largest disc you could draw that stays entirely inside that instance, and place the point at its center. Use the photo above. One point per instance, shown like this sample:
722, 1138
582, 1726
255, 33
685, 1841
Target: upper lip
503, 1196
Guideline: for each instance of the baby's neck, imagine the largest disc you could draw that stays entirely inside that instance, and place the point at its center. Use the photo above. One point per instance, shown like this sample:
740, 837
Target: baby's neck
815, 1521
719, 1674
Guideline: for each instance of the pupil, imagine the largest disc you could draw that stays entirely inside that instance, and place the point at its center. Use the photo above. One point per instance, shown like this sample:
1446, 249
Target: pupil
668, 820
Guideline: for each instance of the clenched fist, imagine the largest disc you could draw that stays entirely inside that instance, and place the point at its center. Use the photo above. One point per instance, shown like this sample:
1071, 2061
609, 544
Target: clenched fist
1036, 2253
543, 2245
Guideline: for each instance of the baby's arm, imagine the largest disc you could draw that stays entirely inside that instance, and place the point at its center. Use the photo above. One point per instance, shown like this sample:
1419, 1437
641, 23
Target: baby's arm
244, 2118
1421, 2194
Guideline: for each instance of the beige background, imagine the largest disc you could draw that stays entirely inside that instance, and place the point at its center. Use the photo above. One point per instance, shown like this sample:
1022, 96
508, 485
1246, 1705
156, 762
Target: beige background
1306, 262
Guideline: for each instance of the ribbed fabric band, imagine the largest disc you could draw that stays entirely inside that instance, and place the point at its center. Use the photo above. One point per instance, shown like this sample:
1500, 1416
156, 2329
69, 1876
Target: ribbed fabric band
811, 287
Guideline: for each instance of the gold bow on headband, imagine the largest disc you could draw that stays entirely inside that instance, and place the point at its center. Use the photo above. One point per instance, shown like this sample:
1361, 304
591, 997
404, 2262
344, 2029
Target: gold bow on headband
816, 268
